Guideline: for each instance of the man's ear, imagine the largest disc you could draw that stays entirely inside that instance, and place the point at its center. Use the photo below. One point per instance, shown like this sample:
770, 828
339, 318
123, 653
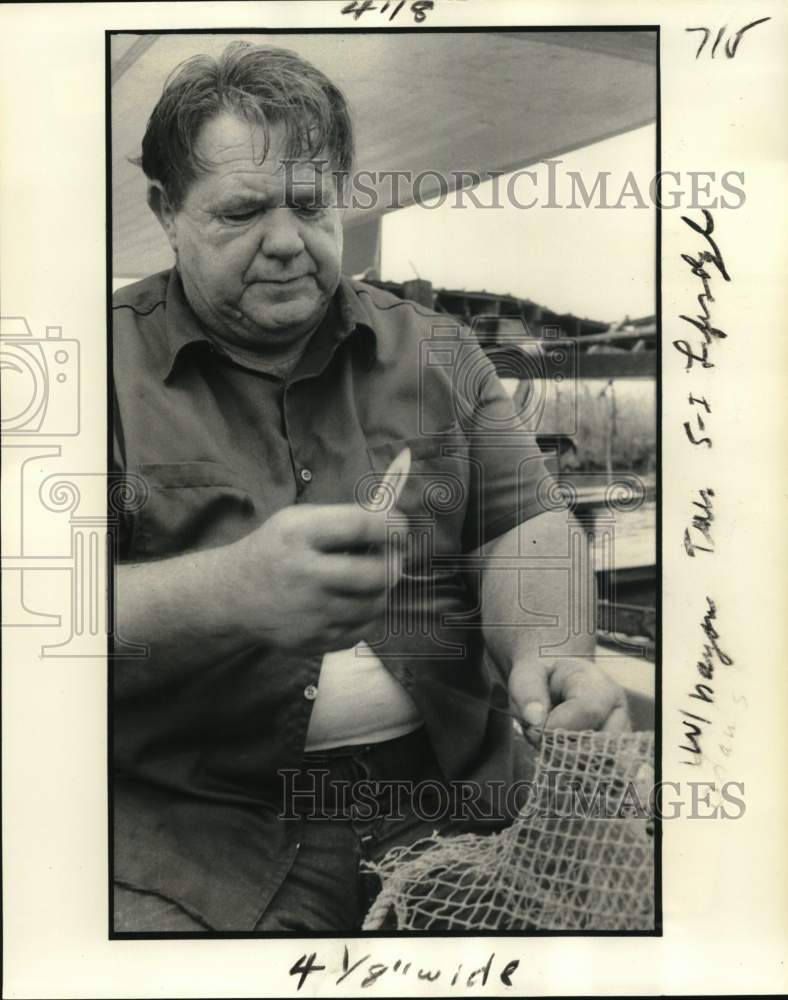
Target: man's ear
160, 205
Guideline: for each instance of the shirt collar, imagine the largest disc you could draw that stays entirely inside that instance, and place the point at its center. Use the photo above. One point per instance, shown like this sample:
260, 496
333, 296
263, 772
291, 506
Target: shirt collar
182, 328
353, 320
345, 318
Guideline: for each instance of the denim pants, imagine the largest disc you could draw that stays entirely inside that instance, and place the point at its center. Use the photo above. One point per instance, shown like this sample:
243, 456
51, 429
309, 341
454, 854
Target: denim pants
326, 889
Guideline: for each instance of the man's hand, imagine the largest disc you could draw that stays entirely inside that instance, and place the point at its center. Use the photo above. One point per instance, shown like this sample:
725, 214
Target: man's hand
313, 578
568, 693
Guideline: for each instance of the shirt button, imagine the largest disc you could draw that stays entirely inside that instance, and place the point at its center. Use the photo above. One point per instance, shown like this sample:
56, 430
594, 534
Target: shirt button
306, 475
310, 692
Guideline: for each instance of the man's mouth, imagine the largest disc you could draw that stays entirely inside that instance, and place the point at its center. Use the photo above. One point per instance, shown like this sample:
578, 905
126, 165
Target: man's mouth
282, 281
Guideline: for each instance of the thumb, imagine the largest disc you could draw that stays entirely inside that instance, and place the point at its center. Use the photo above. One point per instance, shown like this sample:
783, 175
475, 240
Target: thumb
529, 690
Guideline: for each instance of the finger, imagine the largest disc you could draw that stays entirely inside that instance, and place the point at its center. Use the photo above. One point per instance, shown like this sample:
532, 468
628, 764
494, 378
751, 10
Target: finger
354, 574
528, 689
577, 714
345, 526
618, 721
567, 677
591, 697
355, 612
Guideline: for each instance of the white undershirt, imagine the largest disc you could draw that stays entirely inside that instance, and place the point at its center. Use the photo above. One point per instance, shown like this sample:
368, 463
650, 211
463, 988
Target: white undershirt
358, 701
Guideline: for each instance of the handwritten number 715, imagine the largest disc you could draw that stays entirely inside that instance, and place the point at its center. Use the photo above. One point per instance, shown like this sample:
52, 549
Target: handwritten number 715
731, 45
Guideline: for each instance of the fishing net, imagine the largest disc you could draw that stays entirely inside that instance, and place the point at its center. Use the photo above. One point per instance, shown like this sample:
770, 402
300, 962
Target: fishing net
578, 855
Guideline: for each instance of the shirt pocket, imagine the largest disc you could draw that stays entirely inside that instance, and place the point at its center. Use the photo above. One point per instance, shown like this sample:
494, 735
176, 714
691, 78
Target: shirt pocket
191, 505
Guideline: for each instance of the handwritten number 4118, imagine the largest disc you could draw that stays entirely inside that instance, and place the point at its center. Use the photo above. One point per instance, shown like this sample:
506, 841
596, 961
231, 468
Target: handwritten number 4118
731, 45
419, 8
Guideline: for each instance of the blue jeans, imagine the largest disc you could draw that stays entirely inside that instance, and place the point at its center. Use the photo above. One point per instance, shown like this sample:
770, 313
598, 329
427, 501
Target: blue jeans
326, 889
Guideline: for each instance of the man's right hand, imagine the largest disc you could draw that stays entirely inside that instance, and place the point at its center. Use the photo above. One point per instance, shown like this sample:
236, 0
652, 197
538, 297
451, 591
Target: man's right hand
313, 578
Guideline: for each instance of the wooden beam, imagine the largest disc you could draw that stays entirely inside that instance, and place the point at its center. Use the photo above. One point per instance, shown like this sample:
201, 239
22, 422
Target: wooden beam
616, 364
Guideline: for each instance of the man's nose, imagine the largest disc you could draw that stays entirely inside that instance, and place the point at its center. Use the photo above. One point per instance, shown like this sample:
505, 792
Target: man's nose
282, 237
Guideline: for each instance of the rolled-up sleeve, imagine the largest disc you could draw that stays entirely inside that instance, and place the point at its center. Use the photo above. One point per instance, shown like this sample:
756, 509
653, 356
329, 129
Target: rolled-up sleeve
508, 475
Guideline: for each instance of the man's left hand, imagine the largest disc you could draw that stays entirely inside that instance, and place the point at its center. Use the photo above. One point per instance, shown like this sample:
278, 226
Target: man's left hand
567, 693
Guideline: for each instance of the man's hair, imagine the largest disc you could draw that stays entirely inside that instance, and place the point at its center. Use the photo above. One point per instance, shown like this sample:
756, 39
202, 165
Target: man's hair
260, 83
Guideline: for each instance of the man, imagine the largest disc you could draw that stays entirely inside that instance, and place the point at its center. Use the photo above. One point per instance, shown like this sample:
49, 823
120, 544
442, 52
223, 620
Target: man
300, 641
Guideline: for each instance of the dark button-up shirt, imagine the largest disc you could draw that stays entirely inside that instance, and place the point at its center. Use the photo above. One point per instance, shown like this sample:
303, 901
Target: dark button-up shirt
221, 447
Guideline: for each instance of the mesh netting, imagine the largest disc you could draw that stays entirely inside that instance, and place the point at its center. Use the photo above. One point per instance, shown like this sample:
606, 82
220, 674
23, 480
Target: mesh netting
578, 856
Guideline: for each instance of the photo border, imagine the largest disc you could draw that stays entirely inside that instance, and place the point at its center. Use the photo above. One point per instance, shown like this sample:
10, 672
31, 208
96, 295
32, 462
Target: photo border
658, 931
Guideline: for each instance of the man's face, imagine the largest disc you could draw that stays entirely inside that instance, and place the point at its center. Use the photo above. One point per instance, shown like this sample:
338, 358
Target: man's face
259, 261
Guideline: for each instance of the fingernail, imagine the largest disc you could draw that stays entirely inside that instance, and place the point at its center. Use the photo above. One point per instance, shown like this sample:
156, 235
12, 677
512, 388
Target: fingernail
534, 713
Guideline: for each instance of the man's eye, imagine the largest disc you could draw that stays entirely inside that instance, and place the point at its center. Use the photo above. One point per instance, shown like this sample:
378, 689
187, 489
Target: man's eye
238, 218
309, 210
